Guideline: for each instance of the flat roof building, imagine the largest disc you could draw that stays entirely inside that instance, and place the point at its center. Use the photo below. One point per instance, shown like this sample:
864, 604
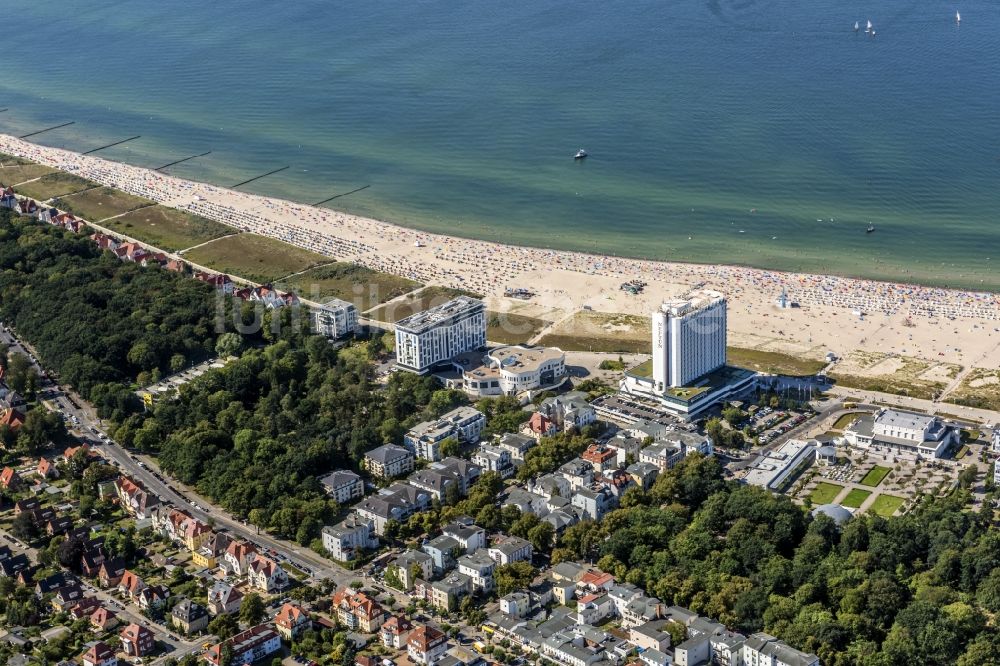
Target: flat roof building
433, 336
334, 319
773, 469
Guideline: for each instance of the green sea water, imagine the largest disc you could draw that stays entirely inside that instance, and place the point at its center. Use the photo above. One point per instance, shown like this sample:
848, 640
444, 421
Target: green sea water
463, 117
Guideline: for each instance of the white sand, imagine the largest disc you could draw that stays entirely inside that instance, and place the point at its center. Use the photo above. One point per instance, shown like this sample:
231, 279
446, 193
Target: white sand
937, 324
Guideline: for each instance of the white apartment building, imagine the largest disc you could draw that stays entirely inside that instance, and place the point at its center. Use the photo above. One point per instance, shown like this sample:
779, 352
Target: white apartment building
764, 650
343, 485
494, 459
346, 540
689, 339
334, 319
464, 424
433, 336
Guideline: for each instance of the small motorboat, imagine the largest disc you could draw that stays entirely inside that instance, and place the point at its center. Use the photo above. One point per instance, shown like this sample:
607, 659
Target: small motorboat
870, 229
580, 154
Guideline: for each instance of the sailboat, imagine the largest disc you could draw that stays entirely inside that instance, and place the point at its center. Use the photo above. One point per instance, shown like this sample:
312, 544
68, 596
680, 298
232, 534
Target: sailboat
869, 28
958, 17
857, 26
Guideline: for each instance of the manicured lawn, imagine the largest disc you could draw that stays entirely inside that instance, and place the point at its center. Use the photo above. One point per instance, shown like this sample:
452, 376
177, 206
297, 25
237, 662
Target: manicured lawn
349, 282
417, 302
856, 498
886, 505
825, 493
12, 174
167, 228
253, 257
54, 185
512, 329
773, 362
846, 420
875, 476
962, 452
96, 205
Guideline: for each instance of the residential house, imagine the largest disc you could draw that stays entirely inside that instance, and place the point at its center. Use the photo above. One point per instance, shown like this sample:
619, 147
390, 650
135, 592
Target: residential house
469, 536
346, 540
510, 549
426, 645
52, 583
291, 621
130, 585
238, 556
46, 469
153, 597
763, 650
103, 619
92, 558
594, 503
10, 479
189, 616
388, 461
246, 647
220, 281
411, 565
494, 459
594, 607
517, 604
343, 485
99, 654
601, 457
395, 631
443, 550
137, 640
12, 418
664, 455
643, 473
223, 598
445, 594
266, 575
135, 500
570, 410
539, 425
211, 550
67, 596
578, 472
517, 444
111, 572
441, 484
651, 636
463, 424
358, 611
479, 567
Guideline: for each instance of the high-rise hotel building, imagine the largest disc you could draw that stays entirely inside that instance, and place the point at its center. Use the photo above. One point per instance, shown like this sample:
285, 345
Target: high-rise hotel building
689, 339
435, 335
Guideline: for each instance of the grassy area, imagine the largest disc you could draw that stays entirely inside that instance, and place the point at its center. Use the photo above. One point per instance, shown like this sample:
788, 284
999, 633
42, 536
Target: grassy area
922, 391
644, 369
13, 174
349, 282
54, 185
979, 389
601, 332
512, 329
962, 452
875, 476
893, 373
825, 493
417, 302
254, 257
772, 362
6, 159
886, 505
96, 205
167, 228
856, 498
846, 420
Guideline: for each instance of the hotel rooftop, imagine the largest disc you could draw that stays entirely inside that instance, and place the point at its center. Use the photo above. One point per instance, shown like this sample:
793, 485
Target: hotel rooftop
440, 314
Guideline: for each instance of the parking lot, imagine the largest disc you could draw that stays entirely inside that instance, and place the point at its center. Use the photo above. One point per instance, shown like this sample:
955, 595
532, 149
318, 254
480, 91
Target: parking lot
178, 379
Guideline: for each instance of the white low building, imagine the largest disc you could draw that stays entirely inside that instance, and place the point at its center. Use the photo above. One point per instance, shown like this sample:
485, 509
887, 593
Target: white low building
346, 540
923, 434
773, 469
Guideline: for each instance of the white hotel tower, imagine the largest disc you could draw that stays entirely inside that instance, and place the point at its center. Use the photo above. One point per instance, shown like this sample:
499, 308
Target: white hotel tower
689, 339
430, 337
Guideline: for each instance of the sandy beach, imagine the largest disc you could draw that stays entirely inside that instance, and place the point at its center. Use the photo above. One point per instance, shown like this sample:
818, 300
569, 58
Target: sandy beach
832, 314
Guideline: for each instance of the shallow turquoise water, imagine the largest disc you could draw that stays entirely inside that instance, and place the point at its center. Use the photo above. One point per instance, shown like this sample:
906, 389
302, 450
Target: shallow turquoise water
463, 117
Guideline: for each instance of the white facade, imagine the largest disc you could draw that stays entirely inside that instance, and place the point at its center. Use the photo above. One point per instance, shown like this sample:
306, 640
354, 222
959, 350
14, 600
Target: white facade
334, 319
494, 459
689, 339
435, 335
464, 424
346, 540
770, 471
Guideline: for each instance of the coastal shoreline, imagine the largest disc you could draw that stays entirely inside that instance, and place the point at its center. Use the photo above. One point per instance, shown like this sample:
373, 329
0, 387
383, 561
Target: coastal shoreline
567, 282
